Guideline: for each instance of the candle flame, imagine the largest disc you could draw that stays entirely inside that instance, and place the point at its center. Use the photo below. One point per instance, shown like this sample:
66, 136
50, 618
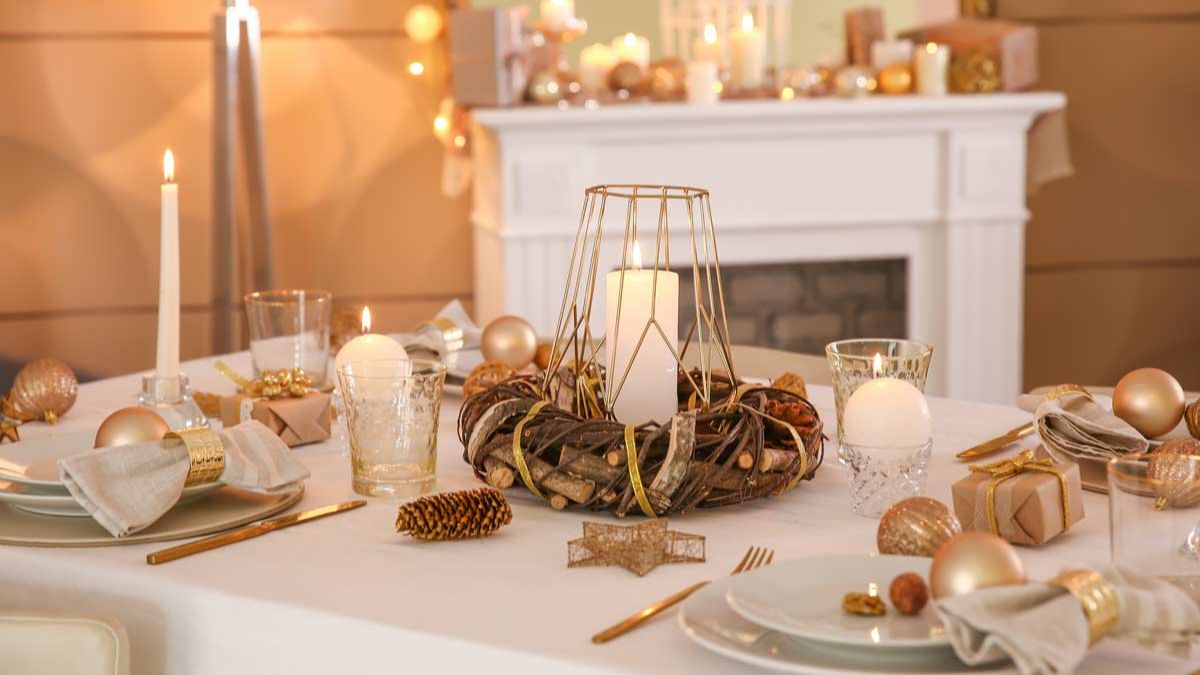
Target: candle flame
631, 39
168, 166
875, 635
877, 366
873, 589
787, 94
747, 22
416, 68
710, 34
440, 125
366, 320
637, 257
931, 47
241, 4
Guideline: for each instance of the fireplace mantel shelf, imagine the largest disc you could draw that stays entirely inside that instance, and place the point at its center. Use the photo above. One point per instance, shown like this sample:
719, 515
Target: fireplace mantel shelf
936, 181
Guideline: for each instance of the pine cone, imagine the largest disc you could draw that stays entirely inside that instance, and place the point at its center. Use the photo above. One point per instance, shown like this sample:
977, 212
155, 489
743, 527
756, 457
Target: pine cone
454, 515
794, 413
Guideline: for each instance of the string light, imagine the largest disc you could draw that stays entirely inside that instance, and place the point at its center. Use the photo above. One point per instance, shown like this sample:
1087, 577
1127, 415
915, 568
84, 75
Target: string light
416, 68
460, 141
787, 94
440, 125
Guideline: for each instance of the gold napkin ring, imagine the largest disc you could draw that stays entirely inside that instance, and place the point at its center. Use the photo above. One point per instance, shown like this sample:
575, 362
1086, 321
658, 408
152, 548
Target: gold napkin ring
452, 335
1096, 595
206, 454
1067, 390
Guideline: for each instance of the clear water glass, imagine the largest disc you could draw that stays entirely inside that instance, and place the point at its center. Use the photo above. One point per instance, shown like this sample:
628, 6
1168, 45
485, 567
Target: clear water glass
392, 410
880, 477
852, 364
1154, 516
290, 329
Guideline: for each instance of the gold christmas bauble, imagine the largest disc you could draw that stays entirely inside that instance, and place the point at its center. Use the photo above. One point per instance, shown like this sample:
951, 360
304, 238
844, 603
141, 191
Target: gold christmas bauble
127, 426
1150, 400
667, 77
854, 82
542, 357
896, 79
626, 76
1191, 415
974, 560
544, 88
1174, 468
916, 526
511, 340
43, 389
422, 23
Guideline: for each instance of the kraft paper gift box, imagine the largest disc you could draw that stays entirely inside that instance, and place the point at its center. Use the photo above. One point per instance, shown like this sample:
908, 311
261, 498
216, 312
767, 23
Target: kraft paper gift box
296, 420
1014, 46
1028, 505
488, 56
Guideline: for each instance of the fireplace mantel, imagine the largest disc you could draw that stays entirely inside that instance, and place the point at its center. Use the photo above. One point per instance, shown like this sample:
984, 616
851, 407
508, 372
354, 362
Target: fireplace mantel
939, 182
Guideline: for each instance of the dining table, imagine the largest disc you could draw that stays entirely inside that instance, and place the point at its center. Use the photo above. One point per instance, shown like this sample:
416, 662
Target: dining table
348, 593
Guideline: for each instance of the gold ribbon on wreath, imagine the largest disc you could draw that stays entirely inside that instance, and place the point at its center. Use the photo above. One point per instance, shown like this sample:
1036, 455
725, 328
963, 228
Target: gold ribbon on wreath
519, 454
1008, 468
635, 474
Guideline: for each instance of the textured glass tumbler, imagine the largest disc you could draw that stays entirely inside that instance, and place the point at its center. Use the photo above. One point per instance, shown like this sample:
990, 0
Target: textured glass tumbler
392, 412
880, 477
1154, 517
290, 329
852, 364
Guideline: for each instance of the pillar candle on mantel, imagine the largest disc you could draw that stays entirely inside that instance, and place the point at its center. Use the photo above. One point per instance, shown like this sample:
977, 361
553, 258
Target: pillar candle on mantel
748, 55
702, 83
594, 63
166, 364
931, 67
649, 391
632, 48
886, 53
887, 414
707, 46
556, 14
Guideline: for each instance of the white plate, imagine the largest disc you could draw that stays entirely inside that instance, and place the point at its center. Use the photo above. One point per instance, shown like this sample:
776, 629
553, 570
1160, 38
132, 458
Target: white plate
29, 499
804, 598
708, 620
34, 462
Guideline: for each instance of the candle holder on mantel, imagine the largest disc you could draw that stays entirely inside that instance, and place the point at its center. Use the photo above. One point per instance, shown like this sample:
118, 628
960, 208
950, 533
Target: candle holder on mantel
171, 398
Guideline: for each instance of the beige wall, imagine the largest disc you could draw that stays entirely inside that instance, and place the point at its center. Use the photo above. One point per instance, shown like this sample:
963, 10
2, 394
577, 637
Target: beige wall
93, 93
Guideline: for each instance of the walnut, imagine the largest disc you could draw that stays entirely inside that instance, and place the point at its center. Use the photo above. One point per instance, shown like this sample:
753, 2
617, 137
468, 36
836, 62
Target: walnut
864, 604
909, 593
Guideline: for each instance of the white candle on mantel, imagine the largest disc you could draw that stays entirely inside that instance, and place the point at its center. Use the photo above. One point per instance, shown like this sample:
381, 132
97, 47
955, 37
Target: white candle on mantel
886, 53
706, 46
887, 413
556, 14
166, 364
632, 48
702, 83
748, 55
369, 347
931, 66
649, 391
594, 63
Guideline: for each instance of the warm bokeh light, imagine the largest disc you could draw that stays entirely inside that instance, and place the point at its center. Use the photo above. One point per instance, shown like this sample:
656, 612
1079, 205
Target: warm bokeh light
931, 47
416, 68
422, 23
366, 320
168, 166
460, 141
718, 87
747, 22
441, 124
710, 34
787, 94
631, 39
637, 256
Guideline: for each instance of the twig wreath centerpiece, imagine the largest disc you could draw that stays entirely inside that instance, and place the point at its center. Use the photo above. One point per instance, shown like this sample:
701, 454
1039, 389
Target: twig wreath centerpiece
616, 422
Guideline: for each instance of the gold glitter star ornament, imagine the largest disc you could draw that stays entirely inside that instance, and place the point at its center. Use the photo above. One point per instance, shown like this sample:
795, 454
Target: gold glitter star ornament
638, 548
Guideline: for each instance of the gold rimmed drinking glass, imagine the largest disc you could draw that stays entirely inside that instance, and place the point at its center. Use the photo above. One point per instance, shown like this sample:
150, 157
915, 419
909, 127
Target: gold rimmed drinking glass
289, 328
852, 363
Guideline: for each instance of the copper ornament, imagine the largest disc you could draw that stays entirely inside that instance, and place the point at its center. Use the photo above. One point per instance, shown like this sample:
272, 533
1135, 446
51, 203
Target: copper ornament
896, 79
916, 526
974, 560
667, 78
1174, 468
1191, 415
509, 339
43, 389
854, 81
544, 88
542, 357
1150, 400
127, 426
626, 76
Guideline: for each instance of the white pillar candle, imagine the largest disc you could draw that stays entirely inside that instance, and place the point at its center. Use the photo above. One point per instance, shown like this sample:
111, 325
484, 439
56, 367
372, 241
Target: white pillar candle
649, 391
369, 347
632, 48
931, 65
167, 362
748, 54
595, 61
701, 82
887, 413
707, 46
556, 14
886, 53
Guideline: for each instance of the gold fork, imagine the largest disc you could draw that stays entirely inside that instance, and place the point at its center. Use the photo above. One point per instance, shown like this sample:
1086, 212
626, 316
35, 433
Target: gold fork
755, 557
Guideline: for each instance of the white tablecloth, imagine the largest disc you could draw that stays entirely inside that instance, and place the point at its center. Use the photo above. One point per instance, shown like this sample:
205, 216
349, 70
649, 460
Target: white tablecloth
347, 594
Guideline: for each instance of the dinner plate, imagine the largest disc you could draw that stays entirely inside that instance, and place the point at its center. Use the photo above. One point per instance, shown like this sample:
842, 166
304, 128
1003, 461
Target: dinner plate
30, 499
707, 619
804, 598
34, 462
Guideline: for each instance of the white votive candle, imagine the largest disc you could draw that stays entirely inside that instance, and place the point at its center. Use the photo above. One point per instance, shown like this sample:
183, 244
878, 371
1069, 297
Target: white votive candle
556, 14
931, 66
748, 55
887, 413
706, 46
701, 82
632, 48
886, 53
649, 391
595, 61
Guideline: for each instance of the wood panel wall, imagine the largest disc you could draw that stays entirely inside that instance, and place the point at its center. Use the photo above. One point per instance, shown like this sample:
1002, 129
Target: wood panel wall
93, 94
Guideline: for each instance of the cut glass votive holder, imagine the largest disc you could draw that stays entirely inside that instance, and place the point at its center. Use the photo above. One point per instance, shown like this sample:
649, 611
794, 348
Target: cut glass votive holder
392, 410
880, 477
290, 329
852, 363
171, 398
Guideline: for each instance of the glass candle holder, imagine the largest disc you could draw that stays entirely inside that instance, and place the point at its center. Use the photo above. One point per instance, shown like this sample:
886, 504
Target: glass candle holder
880, 477
290, 329
852, 363
1154, 516
392, 410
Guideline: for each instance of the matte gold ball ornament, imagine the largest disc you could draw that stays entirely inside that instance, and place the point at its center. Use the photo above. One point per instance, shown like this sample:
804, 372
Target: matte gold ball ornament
43, 389
667, 78
544, 88
127, 426
509, 339
544, 353
1191, 415
854, 82
1150, 400
626, 76
896, 79
1174, 468
916, 526
974, 560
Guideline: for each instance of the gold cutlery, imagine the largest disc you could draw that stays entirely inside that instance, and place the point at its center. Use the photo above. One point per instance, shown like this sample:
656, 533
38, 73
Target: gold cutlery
998, 443
755, 557
249, 532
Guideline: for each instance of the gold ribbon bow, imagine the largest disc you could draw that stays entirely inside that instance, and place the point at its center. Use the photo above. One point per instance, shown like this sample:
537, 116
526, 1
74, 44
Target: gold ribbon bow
1008, 468
275, 384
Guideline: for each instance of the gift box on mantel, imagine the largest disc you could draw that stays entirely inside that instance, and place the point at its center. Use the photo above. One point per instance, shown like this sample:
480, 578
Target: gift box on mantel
985, 54
488, 55
1026, 500
297, 420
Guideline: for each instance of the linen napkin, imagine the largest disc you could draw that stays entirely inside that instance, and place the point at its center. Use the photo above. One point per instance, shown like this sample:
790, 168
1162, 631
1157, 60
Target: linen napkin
1082, 428
429, 339
1042, 628
127, 488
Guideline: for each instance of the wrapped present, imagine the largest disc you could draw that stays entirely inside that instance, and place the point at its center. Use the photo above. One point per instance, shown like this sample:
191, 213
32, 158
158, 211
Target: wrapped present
1026, 499
985, 54
489, 56
297, 420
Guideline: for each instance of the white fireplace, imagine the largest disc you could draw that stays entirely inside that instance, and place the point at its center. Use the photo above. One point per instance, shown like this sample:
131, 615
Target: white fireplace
936, 182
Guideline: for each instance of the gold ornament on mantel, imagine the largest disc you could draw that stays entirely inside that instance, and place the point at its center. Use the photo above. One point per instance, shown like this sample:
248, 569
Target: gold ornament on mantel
127, 426
974, 560
916, 526
626, 76
1174, 468
544, 88
975, 73
896, 79
854, 81
1150, 400
638, 548
43, 389
509, 339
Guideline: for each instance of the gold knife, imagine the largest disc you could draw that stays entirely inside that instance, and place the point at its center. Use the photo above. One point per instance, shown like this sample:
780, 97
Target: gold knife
249, 532
998, 443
